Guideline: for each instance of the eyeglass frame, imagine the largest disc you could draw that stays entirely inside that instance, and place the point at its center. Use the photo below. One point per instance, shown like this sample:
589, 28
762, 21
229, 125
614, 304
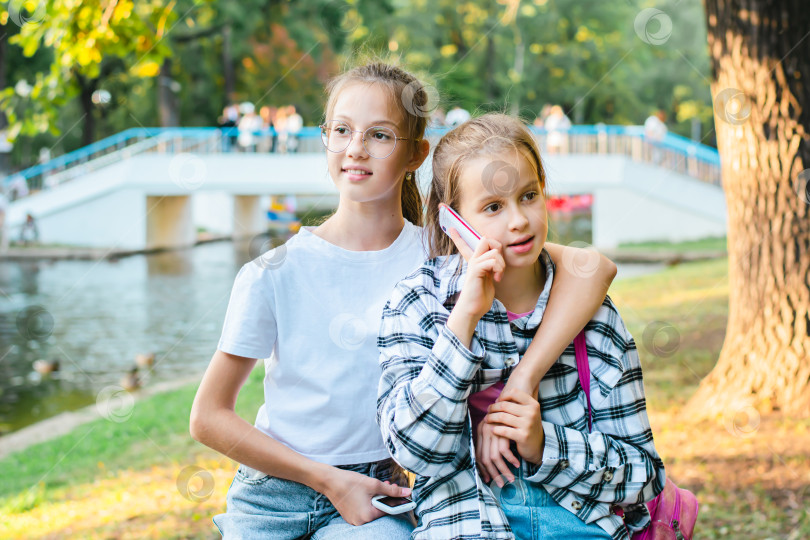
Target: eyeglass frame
363, 138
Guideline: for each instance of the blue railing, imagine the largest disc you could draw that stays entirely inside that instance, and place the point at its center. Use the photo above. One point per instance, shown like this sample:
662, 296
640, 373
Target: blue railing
673, 151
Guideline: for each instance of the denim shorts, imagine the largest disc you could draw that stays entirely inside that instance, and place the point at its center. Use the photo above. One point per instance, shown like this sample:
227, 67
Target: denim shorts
533, 513
271, 508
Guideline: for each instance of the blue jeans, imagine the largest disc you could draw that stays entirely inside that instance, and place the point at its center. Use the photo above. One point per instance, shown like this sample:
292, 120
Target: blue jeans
534, 514
270, 508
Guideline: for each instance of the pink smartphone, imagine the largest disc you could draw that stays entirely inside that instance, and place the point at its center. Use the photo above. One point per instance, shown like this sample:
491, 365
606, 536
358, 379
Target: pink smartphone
449, 218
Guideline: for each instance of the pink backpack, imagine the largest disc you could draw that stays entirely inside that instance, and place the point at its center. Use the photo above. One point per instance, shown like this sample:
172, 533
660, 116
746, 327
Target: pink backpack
674, 511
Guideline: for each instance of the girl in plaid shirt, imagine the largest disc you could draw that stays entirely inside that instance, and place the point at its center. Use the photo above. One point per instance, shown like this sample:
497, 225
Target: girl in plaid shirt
457, 328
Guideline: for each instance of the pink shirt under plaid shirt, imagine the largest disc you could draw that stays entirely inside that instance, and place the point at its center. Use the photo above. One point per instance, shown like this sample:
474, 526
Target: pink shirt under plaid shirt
479, 401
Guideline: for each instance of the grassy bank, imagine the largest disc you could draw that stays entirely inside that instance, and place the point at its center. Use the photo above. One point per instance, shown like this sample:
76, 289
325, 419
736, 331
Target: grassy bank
704, 244
144, 476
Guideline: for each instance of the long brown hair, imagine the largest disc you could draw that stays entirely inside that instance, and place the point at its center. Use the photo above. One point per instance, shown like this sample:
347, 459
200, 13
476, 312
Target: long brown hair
408, 94
487, 135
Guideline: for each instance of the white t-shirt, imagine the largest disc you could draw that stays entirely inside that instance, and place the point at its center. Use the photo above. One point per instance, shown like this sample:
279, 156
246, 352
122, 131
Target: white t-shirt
313, 310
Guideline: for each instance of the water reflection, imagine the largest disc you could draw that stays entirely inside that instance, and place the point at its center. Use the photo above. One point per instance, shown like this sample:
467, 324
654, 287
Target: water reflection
103, 314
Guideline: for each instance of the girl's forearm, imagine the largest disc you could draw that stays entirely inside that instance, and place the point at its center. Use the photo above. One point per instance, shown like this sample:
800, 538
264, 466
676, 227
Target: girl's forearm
229, 434
462, 325
575, 298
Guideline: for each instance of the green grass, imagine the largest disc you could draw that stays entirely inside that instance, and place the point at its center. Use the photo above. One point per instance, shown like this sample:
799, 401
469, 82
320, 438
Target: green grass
678, 319
705, 244
688, 302
156, 432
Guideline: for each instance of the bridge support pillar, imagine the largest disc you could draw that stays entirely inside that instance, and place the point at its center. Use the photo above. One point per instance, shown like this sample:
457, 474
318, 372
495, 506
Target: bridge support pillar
249, 217
169, 222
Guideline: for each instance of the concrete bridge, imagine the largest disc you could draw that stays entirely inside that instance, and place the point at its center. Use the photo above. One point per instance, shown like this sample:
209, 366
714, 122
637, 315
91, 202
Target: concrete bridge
155, 188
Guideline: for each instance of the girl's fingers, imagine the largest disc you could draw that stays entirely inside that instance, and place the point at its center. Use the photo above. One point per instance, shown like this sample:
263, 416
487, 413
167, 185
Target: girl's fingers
506, 452
508, 407
392, 490
505, 419
507, 432
491, 266
494, 244
461, 245
485, 458
490, 466
497, 458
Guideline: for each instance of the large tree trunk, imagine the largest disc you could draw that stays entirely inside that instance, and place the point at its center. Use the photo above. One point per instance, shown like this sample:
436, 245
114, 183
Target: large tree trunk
761, 64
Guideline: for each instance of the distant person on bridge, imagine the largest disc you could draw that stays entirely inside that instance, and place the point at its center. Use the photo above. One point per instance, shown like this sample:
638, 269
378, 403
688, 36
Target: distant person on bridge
248, 125
312, 308
557, 125
227, 122
655, 131
456, 116
268, 115
294, 125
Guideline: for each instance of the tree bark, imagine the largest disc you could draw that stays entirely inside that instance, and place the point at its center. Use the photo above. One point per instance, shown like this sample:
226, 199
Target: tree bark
167, 99
227, 65
86, 89
3, 56
760, 57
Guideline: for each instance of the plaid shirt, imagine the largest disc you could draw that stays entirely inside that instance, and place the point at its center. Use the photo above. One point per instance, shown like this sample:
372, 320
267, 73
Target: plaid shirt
428, 374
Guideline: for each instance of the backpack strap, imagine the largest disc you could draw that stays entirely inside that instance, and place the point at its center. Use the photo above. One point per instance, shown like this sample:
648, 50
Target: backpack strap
584, 371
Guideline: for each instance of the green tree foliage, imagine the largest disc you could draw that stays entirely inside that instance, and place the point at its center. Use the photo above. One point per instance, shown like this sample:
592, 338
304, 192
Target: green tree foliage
89, 41
589, 56
583, 54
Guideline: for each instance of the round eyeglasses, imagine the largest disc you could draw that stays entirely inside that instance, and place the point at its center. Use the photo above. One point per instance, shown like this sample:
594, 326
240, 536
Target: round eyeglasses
378, 141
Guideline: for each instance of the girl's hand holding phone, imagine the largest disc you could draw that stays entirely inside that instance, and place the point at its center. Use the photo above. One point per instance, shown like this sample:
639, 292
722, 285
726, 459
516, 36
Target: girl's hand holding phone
351, 492
485, 266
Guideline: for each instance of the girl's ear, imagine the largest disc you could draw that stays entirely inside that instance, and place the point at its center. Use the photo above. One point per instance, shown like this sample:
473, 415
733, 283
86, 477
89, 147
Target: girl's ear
420, 154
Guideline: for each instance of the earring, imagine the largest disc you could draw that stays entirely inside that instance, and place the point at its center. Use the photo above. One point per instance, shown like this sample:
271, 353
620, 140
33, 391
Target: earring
409, 175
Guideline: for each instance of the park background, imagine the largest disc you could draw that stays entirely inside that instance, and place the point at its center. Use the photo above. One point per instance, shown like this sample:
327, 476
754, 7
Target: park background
75, 73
